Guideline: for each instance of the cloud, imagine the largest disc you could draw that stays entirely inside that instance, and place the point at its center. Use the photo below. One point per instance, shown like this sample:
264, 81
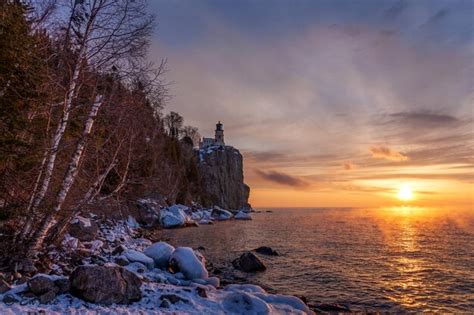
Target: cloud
282, 178
349, 166
424, 119
383, 152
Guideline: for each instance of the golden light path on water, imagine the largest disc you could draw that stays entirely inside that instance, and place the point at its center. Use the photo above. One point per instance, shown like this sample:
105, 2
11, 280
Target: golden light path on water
403, 238
393, 259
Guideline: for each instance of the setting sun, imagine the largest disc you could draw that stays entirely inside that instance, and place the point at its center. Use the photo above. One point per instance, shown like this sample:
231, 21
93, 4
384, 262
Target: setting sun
405, 193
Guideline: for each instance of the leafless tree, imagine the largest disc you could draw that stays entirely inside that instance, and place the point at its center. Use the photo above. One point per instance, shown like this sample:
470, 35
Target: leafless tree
192, 133
173, 122
102, 36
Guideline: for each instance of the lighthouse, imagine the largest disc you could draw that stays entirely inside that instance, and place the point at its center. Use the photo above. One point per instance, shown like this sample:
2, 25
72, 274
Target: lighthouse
219, 137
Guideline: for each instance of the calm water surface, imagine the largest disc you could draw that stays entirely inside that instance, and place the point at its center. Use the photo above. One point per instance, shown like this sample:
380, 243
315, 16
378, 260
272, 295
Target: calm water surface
394, 259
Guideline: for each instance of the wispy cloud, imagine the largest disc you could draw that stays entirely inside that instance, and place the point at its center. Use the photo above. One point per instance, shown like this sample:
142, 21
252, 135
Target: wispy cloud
282, 178
383, 152
349, 166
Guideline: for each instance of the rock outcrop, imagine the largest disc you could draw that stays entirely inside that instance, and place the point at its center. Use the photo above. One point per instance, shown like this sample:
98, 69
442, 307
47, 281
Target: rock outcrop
222, 180
105, 285
248, 262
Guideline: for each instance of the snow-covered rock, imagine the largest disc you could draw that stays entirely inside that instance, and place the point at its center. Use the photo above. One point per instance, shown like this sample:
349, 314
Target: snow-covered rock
205, 222
185, 260
172, 216
245, 303
160, 253
241, 215
136, 256
221, 214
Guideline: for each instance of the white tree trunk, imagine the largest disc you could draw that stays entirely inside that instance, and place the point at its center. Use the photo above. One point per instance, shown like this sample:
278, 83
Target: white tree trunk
71, 174
38, 196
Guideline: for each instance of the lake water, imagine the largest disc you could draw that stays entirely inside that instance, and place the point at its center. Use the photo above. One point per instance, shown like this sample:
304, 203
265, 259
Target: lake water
394, 259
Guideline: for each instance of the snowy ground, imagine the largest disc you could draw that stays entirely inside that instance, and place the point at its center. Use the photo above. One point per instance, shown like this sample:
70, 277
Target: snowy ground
189, 291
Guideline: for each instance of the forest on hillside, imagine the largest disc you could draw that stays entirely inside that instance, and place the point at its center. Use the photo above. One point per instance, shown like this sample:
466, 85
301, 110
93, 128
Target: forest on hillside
81, 116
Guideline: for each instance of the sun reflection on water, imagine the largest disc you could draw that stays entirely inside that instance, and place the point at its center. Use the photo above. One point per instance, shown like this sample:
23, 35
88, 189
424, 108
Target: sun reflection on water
405, 263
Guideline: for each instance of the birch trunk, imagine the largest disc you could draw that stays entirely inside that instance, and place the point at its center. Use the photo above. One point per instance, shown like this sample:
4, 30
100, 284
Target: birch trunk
52, 153
71, 174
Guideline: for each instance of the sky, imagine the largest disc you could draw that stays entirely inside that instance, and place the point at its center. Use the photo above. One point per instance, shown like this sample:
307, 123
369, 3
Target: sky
332, 103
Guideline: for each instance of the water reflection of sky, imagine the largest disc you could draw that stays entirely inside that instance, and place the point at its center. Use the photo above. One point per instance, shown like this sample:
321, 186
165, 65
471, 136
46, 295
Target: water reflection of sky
393, 259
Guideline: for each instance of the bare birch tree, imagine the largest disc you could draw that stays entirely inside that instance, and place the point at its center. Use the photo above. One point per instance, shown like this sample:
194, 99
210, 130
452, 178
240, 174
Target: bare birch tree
101, 35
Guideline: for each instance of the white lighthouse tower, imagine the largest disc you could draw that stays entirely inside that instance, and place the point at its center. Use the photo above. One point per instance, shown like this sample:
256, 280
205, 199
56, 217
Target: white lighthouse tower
218, 138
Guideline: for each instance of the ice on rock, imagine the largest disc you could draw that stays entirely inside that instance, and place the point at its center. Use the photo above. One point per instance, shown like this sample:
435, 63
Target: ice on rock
214, 281
287, 302
185, 260
184, 208
136, 256
136, 267
241, 215
251, 288
245, 303
161, 253
172, 216
221, 214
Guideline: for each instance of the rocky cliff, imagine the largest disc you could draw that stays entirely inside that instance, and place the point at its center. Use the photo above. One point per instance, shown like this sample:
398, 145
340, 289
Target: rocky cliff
222, 178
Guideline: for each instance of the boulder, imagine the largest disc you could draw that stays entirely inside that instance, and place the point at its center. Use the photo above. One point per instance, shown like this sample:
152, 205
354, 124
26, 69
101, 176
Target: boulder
148, 210
221, 214
186, 261
48, 296
40, 285
248, 262
83, 229
136, 256
265, 250
245, 303
160, 253
242, 215
172, 217
63, 285
105, 285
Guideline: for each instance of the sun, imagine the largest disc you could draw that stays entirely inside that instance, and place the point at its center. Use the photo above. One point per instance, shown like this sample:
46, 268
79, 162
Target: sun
405, 193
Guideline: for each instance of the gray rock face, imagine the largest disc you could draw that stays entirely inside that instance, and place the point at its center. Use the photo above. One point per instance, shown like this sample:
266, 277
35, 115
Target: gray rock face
222, 178
105, 285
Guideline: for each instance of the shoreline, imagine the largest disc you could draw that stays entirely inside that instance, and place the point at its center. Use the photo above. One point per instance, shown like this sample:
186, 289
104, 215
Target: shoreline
184, 293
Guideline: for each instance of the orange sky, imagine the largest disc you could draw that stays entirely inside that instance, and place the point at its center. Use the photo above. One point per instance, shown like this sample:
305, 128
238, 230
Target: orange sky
330, 104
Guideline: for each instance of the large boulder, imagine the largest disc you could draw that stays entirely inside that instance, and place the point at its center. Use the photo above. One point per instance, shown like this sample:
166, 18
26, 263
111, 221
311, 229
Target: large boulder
242, 215
160, 253
105, 285
190, 264
248, 262
136, 256
172, 217
148, 210
83, 229
41, 284
245, 303
46, 287
221, 214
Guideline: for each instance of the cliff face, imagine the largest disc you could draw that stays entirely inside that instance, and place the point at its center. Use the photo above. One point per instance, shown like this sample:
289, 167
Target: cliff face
222, 178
